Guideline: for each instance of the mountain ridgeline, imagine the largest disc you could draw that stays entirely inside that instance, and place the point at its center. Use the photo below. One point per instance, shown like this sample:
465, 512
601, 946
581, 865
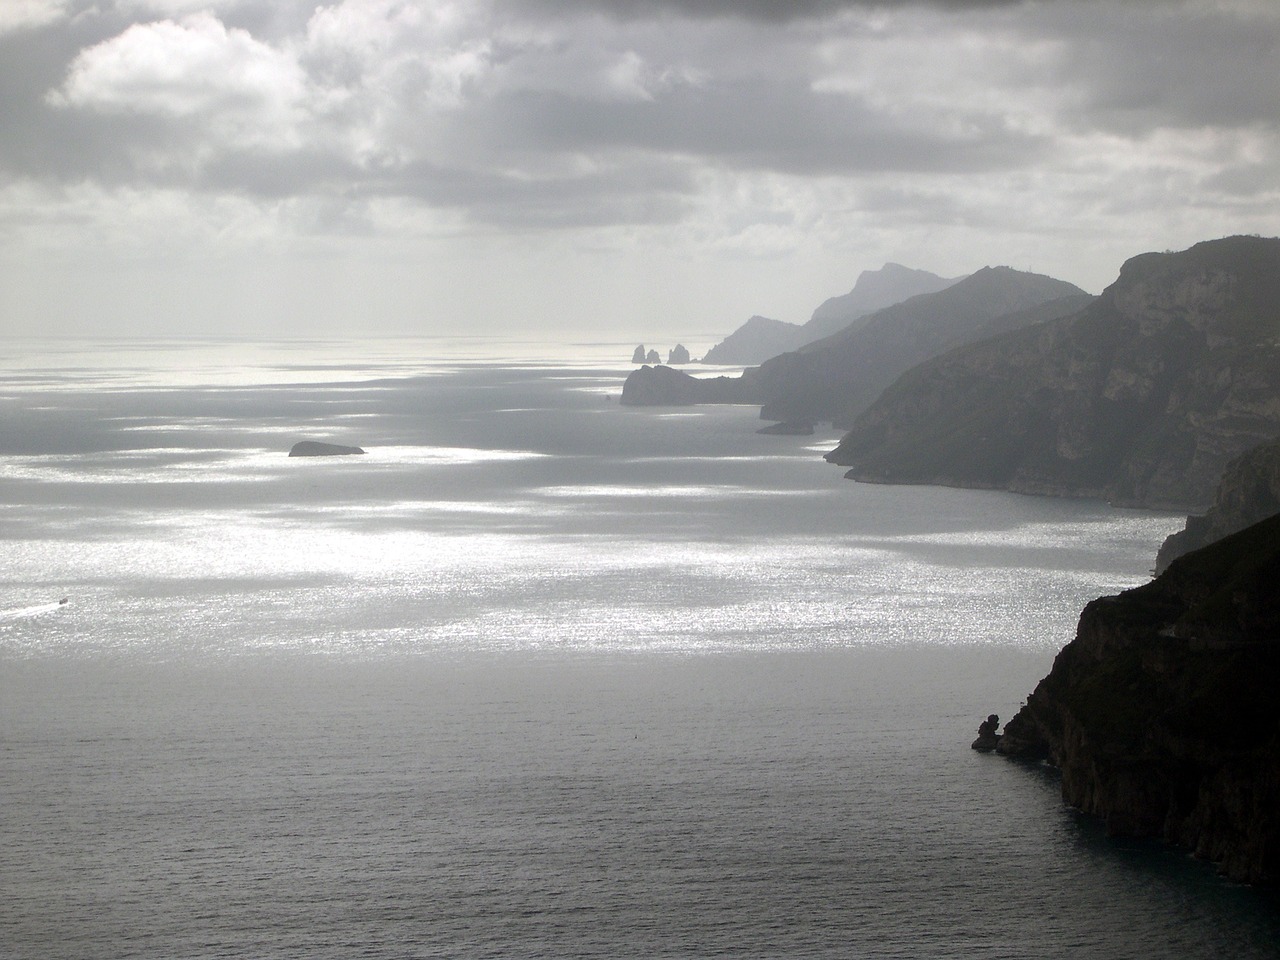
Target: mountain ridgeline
836, 378
761, 338
1141, 398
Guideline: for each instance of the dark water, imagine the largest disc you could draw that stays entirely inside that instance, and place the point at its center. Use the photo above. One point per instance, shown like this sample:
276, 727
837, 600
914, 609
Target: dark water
539, 677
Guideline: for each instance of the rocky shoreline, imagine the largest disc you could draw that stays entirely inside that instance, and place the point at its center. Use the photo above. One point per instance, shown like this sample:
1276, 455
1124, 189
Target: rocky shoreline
1161, 713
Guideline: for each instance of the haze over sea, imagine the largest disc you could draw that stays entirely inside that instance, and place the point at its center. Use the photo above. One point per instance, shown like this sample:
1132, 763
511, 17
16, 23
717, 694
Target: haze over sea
538, 676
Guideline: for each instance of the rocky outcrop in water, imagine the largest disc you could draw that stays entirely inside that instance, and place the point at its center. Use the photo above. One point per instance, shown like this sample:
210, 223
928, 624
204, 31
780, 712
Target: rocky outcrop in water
663, 386
315, 448
678, 354
1161, 714
988, 738
1249, 492
1141, 398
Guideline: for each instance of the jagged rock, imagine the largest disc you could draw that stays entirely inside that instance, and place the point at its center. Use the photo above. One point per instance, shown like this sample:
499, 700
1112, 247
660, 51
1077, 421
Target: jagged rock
639, 355
1161, 712
652, 357
1141, 398
315, 448
988, 739
1249, 492
678, 354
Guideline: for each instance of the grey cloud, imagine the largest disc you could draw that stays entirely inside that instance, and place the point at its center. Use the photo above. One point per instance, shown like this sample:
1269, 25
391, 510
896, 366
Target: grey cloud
1139, 67
767, 11
761, 124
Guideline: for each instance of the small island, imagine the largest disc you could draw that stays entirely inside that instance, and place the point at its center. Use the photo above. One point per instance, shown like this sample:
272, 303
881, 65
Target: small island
316, 448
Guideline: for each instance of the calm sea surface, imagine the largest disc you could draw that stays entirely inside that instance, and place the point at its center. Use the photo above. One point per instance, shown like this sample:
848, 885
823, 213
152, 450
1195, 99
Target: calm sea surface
538, 676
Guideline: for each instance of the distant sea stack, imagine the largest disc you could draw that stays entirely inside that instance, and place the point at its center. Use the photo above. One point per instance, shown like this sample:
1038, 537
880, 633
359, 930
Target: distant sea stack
1161, 713
1141, 398
315, 448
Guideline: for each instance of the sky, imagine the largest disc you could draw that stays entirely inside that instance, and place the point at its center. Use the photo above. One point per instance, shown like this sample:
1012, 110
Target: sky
609, 169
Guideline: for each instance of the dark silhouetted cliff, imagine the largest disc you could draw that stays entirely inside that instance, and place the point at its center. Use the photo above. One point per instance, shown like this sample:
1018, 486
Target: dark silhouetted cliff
1162, 712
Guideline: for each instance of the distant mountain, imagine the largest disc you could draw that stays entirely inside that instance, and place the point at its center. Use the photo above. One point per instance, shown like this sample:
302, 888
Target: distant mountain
761, 338
874, 290
756, 341
1140, 398
1249, 493
836, 378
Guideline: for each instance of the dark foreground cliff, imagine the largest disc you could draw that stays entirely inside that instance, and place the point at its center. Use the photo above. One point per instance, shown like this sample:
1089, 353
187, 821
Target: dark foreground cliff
1162, 713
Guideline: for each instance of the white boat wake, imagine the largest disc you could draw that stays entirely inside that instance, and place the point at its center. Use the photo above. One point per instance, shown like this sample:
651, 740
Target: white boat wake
32, 611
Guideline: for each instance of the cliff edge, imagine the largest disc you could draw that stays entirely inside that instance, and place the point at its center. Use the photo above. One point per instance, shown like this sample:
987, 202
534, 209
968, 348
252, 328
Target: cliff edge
1161, 713
1249, 492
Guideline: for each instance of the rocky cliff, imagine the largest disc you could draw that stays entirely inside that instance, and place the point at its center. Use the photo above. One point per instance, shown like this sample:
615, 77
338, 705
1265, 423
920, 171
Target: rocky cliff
1141, 398
836, 378
1249, 492
1161, 713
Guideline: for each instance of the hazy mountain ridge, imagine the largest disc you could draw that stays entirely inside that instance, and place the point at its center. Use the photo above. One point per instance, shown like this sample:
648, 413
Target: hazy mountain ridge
761, 338
836, 378
755, 341
1141, 398
1160, 714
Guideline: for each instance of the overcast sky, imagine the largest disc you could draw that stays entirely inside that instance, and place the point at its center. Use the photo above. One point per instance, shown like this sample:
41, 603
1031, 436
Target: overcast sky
603, 168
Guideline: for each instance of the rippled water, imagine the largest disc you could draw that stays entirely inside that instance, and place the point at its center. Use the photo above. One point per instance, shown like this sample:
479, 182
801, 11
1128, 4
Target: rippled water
537, 676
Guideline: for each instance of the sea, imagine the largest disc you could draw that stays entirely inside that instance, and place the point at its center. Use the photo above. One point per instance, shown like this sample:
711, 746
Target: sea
537, 676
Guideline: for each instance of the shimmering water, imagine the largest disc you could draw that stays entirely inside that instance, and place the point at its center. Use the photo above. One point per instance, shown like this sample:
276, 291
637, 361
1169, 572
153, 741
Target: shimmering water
539, 676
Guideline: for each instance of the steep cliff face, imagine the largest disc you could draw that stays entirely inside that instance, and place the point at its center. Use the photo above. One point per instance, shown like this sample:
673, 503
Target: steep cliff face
1249, 492
836, 378
1141, 398
1162, 713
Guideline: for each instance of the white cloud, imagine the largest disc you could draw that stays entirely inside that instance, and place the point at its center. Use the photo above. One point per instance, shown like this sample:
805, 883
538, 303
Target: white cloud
25, 14
249, 93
